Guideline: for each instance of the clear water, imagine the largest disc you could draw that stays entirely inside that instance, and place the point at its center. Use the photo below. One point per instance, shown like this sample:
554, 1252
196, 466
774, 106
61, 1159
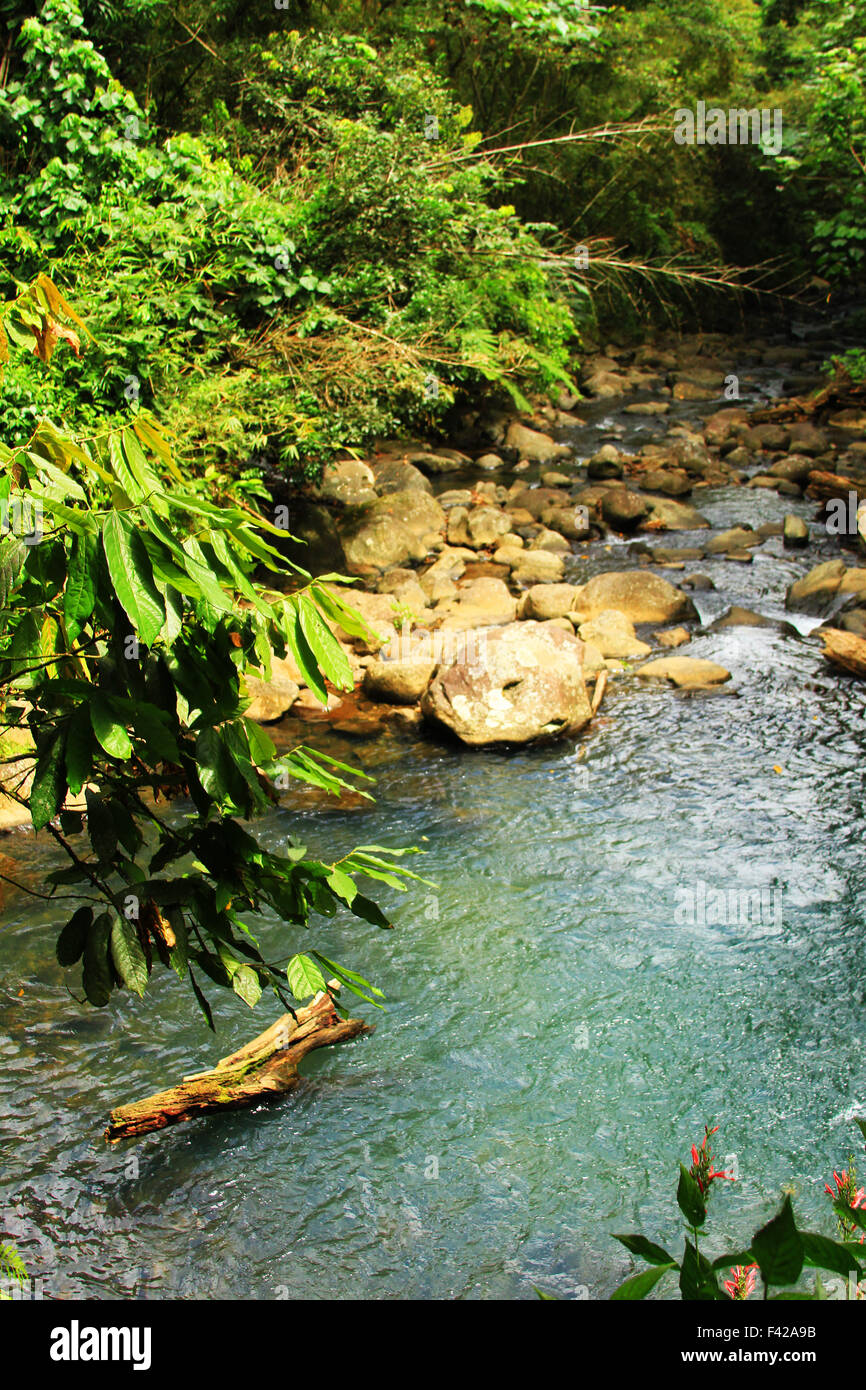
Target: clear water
557, 1030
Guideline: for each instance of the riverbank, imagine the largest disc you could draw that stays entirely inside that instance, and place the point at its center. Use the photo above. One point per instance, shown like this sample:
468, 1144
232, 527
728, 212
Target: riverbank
514, 581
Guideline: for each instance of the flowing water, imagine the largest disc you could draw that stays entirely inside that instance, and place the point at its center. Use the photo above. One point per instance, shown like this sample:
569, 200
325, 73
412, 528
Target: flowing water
565, 1010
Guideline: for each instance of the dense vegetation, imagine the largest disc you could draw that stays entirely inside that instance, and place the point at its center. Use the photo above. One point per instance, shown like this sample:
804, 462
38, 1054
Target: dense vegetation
294, 231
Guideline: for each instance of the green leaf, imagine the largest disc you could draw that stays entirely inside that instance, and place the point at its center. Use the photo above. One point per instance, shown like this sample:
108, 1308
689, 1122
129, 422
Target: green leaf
245, 983
108, 729
79, 596
304, 977
369, 911
79, 749
855, 1214
341, 884
128, 956
101, 827
324, 646
96, 974
304, 658
646, 1249
690, 1199
73, 938
821, 1253
778, 1248
132, 577
49, 781
639, 1285
697, 1279
202, 1002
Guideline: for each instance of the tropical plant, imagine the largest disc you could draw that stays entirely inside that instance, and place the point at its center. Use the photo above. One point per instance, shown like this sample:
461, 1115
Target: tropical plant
779, 1252
129, 619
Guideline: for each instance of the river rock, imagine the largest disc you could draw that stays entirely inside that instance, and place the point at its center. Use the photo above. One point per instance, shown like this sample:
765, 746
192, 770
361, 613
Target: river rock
793, 469
478, 528
767, 437
684, 671
672, 637
806, 438
606, 464
667, 515
437, 463
643, 597
483, 602
671, 482
396, 475
389, 531
741, 617
537, 567
536, 500
846, 650
348, 481
270, 700
815, 591
401, 681
737, 538
527, 682
796, 532
613, 634
571, 522
545, 539
533, 445
623, 509
545, 601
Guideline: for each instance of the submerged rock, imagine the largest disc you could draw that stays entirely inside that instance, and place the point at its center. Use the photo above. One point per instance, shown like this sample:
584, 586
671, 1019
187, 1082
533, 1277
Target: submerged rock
684, 671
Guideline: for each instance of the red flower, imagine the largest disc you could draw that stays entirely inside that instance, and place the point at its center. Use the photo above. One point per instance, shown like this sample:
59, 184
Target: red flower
702, 1169
742, 1282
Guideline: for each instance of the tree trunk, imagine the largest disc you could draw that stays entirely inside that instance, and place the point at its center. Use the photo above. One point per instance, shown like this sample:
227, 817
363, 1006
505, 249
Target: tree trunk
261, 1069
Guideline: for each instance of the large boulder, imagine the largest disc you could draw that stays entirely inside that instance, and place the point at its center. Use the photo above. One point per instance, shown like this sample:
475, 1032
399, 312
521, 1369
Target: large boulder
525, 682
643, 597
390, 531
816, 590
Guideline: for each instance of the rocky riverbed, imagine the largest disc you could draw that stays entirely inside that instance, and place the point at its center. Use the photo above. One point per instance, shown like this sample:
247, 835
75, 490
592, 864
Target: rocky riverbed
513, 580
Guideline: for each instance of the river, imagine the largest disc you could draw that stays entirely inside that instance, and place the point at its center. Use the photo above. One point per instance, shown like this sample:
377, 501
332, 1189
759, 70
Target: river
559, 1024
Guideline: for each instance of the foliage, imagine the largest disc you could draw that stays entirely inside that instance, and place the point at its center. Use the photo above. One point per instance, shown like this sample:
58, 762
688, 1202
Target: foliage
129, 619
12, 1270
230, 271
779, 1252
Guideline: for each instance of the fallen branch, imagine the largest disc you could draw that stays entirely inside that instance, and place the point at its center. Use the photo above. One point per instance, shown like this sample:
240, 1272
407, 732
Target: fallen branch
265, 1067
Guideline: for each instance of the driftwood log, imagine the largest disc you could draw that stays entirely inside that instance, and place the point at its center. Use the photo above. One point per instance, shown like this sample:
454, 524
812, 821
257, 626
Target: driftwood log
262, 1069
844, 649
